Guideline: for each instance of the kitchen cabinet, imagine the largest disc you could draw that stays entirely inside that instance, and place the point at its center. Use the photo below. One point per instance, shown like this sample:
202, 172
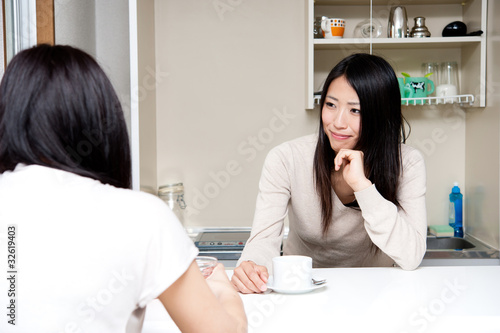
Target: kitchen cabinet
404, 54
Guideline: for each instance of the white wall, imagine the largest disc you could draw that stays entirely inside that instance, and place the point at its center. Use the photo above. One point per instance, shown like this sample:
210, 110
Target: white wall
112, 47
101, 29
483, 147
230, 85
74, 22
147, 92
227, 76
233, 87
2, 57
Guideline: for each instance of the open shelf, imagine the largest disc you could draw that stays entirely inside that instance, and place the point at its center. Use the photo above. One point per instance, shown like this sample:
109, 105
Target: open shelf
404, 54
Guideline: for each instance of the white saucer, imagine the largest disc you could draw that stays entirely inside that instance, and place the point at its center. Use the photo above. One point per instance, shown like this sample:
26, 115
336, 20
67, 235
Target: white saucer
299, 291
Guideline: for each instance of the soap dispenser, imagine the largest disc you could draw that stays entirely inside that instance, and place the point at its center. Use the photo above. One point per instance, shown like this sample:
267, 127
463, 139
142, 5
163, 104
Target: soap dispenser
455, 211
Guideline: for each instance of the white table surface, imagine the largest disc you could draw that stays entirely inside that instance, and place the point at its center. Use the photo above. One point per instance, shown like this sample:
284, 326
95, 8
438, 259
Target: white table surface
429, 299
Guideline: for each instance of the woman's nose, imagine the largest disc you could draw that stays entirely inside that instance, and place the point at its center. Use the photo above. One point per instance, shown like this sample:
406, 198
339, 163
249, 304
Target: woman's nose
340, 120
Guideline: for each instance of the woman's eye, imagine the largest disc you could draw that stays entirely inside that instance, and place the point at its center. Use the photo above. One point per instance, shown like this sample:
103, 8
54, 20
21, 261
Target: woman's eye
355, 111
330, 105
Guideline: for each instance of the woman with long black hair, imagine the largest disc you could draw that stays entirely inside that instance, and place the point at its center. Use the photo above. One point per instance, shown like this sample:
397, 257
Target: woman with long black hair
91, 252
354, 193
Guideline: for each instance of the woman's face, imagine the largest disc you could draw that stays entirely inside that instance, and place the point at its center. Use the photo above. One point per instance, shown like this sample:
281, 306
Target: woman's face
341, 115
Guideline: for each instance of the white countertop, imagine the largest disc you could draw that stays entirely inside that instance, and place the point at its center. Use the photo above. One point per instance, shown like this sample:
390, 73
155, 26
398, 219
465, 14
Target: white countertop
429, 299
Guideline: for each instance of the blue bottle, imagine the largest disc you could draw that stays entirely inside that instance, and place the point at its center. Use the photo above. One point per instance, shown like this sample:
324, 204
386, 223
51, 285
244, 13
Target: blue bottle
455, 216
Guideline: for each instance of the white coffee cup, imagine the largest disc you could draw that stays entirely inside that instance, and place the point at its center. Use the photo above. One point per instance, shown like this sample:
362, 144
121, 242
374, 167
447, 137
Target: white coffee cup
444, 90
292, 272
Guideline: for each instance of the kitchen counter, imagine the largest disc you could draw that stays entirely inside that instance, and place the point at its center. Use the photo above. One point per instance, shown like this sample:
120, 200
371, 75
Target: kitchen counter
480, 255
428, 299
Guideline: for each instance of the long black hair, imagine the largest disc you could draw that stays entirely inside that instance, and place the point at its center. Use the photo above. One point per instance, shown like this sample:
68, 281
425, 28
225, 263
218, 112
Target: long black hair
382, 128
58, 109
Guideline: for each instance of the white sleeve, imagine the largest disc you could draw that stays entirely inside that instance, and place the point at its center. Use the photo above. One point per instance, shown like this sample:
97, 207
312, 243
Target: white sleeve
170, 252
270, 211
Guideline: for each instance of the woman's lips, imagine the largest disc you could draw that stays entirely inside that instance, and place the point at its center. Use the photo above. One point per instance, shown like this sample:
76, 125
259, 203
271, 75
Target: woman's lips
340, 136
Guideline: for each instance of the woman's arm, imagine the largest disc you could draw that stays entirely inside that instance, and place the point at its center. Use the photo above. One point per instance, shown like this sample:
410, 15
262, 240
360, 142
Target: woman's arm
399, 232
199, 305
250, 276
270, 210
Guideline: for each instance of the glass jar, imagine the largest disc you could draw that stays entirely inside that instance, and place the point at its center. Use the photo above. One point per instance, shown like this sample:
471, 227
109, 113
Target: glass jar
318, 33
173, 195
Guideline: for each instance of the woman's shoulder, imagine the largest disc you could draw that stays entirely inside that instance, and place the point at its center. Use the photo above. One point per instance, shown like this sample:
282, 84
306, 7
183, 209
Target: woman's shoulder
130, 199
409, 153
301, 144
134, 208
105, 199
412, 159
299, 150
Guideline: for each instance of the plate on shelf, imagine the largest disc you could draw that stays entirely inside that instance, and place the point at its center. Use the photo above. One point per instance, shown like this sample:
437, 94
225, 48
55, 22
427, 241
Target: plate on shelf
300, 291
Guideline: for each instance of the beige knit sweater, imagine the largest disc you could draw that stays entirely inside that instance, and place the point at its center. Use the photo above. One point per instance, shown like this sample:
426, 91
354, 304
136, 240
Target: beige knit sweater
375, 234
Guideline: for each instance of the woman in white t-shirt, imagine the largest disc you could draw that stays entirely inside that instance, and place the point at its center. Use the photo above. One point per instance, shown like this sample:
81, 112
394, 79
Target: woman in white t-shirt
85, 253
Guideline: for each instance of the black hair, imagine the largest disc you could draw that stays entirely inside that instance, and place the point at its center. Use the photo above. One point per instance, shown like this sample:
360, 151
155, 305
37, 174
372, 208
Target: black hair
381, 131
59, 109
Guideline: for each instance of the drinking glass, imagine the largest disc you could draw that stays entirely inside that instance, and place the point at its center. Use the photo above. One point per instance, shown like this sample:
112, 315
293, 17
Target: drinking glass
430, 70
206, 264
448, 81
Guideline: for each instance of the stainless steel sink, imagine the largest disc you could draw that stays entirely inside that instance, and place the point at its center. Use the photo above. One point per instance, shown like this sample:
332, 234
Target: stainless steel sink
452, 251
448, 243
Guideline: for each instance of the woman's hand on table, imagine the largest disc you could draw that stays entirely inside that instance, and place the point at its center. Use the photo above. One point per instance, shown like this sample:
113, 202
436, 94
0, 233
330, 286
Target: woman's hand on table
250, 278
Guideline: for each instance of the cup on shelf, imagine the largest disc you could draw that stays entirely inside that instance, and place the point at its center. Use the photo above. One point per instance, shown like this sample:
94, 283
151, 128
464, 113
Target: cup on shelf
421, 87
448, 81
406, 91
332, 27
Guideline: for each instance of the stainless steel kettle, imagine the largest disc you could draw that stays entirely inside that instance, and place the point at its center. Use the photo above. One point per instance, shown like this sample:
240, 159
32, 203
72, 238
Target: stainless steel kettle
398, 23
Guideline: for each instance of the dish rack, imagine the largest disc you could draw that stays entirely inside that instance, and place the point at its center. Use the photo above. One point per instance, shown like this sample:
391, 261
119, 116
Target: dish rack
467, 100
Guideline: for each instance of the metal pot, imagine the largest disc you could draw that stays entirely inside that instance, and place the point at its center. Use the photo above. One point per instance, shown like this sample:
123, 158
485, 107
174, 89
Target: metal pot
398, 23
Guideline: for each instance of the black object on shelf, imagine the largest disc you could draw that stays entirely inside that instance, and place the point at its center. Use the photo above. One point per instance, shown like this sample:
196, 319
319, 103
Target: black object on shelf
475, 33
455, 29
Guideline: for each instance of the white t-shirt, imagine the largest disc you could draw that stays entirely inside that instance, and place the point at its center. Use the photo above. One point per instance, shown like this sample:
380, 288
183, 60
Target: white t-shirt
88, 257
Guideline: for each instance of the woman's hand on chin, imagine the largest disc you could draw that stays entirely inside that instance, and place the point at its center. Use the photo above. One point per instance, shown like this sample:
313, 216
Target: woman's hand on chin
351, 164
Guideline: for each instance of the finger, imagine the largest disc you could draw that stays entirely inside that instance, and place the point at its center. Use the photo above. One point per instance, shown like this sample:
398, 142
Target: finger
264, 275
242, 280
244, 285
339, 159
241, 287
347, 156
253, 272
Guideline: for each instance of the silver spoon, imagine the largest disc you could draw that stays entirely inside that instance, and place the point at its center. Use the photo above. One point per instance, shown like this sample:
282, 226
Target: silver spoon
318, 282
